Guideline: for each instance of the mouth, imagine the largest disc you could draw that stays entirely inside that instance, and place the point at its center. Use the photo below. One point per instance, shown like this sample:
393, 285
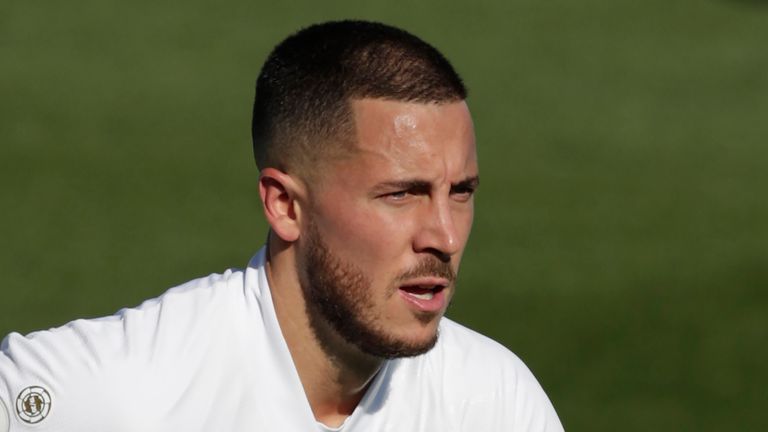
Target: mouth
425, 294
421, 292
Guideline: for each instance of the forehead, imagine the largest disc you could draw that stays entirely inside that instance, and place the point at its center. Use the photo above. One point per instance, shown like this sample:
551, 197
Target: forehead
405, 139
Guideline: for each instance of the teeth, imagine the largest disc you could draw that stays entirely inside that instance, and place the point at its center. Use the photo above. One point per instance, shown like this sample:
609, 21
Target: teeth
425, 296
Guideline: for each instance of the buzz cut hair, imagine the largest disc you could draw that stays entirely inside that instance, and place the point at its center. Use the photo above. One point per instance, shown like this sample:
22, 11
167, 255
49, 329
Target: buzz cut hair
302, 112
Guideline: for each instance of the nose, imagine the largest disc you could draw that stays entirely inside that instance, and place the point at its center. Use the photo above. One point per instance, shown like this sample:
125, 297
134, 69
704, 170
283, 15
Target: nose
438, 234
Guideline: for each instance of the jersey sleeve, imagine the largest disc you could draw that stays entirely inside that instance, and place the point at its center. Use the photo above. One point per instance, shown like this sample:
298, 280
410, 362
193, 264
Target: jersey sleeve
126, 372
65, 379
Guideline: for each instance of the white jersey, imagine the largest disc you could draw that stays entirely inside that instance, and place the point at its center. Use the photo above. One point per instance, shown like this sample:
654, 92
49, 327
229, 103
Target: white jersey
209, 356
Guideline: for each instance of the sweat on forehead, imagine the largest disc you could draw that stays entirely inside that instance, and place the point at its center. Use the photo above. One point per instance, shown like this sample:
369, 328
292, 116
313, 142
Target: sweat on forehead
302, 110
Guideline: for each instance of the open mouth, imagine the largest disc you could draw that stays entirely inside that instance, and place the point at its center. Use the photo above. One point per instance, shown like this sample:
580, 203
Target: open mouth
426, 294
422, 292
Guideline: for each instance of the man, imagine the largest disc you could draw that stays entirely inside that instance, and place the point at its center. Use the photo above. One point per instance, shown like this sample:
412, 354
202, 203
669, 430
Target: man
366, 151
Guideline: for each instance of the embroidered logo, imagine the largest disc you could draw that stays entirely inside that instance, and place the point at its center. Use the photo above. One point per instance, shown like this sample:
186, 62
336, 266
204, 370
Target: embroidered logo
33, 404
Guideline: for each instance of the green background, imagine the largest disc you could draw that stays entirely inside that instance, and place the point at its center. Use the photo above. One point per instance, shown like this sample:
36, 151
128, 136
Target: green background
621, 234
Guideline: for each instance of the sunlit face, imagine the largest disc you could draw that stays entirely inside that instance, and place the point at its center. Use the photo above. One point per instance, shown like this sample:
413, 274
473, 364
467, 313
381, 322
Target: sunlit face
387, 225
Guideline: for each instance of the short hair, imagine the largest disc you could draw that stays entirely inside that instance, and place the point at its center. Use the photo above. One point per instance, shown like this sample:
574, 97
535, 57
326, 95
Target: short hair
302, 110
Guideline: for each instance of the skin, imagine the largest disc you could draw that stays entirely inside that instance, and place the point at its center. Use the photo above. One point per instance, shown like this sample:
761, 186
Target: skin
403, 198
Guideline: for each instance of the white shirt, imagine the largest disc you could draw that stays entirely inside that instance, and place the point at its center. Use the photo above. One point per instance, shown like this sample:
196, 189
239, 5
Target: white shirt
209, 356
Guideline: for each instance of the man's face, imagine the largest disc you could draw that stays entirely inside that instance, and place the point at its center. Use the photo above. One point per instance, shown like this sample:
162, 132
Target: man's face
387, 226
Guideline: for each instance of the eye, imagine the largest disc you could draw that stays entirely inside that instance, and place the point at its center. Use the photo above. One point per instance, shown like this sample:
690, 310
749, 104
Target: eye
404, 192
462, 193
397, 196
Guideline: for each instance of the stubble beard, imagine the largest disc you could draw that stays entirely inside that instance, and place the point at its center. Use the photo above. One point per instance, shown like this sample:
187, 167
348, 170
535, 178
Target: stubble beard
339, 294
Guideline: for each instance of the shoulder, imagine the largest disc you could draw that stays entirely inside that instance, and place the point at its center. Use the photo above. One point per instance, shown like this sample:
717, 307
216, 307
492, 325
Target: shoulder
487, 384
187, 306
88, 363
130, 329
485, 363
464, 347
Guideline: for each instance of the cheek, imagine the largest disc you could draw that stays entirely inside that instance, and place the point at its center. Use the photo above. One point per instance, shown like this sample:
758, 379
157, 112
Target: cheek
465, 219
462, 214
366, 233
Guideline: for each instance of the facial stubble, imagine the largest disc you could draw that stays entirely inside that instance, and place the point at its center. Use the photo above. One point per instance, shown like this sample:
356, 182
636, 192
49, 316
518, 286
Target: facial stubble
338, 295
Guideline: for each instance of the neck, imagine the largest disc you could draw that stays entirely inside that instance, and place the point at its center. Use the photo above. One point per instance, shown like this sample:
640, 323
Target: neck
334, 373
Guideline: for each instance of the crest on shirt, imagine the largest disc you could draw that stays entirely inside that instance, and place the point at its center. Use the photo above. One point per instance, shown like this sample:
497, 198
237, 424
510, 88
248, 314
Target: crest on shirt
33, 404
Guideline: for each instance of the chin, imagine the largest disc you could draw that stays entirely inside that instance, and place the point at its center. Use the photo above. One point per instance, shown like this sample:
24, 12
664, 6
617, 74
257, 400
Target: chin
420, 340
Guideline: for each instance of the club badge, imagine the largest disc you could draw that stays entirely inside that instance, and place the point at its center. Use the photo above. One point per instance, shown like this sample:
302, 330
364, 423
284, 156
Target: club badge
33, 404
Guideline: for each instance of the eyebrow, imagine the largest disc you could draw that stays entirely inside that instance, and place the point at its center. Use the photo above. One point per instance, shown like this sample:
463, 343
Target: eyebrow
425, 186
469, 182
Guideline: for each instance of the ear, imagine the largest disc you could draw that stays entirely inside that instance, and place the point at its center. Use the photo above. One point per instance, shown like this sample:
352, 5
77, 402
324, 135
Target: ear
280, 194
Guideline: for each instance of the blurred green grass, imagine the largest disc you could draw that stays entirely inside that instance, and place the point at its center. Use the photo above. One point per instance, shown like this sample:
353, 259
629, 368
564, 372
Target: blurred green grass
620, 240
